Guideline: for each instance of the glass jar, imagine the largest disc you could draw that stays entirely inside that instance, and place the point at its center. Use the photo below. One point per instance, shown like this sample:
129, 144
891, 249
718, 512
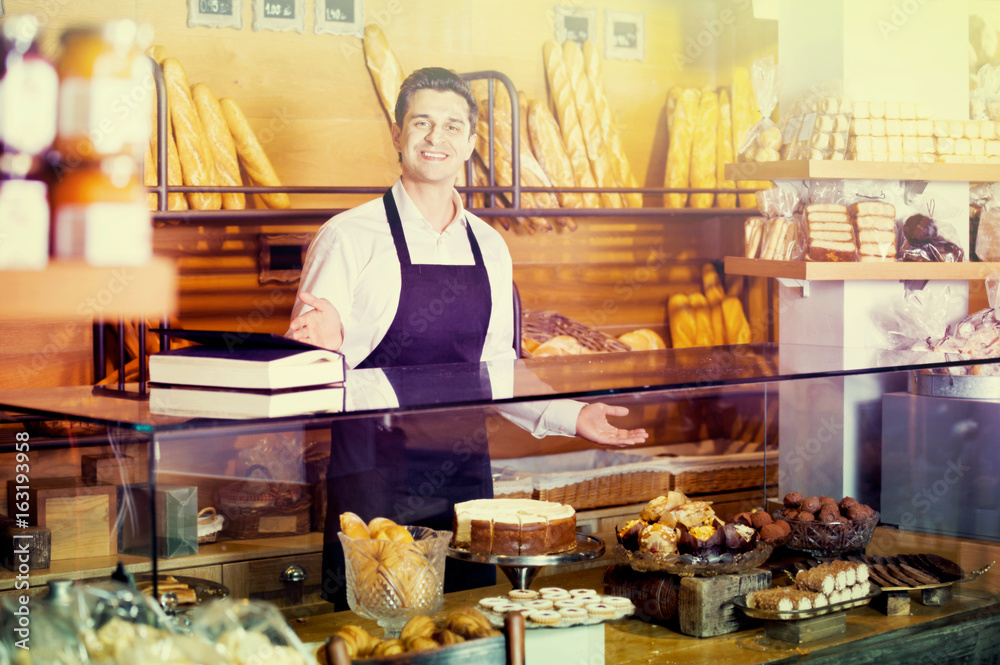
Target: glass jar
105, 92
100, 214
29, 90
24, 225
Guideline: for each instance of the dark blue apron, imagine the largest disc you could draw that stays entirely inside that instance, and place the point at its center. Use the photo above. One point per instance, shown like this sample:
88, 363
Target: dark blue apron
416, 470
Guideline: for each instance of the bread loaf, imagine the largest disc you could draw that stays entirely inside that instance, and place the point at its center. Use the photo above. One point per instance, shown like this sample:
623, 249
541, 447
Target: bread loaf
725, 154
503, 175
384, 68
175, 178
704, 151
158, 53
737, 328
583, 96
609, 131
197, 165
683, 329
251, 154
569, 123
679, 150
548, 147
711, 285
220, 141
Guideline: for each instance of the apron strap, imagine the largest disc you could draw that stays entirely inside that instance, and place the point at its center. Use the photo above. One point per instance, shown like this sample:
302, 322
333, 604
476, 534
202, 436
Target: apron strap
396, 228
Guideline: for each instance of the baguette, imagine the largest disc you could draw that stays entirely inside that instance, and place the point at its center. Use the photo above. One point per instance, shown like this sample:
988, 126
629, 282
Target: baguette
679, 150
583, 96
683, 329
550, 151
610, 134
737, 327
197, 165
704, 151
561, 92
725, 155
252, 155
175, 178
158, 53
220, 141
744, 109
711, 284
702, 320
384, 67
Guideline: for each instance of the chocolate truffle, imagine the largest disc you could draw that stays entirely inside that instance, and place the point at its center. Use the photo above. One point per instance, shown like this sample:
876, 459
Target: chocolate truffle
792, 500
772, 531
742, 518
790, 513
829, 516
812, 504
759, 519
805, 516
847, 502
860, 512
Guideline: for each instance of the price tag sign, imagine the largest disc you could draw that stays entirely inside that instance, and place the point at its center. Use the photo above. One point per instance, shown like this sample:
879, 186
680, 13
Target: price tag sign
340, 17
574, 23
624, 35
215, 14
279, 15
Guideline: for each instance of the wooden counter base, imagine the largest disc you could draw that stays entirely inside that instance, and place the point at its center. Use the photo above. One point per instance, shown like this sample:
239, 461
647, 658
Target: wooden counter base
966, 630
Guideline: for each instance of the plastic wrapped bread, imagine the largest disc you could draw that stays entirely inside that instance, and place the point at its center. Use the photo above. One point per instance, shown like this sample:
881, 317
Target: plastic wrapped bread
220, 142
569, 123
744, 117
612, 138
679, 150
683, 329
724, 144
550, 151
704, 150
384, 67
583, 97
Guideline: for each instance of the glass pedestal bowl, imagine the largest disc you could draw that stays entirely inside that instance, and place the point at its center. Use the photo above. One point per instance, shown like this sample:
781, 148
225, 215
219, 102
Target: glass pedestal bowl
391, 581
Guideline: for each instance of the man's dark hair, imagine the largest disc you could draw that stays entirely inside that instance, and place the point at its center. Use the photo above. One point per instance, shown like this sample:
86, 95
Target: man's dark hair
435, 78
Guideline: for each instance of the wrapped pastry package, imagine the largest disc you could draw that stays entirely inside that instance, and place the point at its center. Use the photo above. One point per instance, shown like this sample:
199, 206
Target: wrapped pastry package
988, 235
248, 632
924, 237
756, 137
780, 231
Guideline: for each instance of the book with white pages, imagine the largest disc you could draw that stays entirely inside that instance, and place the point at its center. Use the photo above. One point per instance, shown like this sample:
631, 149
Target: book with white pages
246, 361
200, 402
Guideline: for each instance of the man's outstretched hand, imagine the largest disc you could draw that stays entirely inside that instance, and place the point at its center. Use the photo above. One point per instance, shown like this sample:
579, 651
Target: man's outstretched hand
592, 424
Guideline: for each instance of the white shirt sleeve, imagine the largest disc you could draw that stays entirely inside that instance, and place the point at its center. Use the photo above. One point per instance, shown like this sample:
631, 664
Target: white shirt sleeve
543, 417
329, 272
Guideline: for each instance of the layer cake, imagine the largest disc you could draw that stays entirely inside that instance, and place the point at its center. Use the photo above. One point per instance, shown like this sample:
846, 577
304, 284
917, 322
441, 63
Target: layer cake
521, 527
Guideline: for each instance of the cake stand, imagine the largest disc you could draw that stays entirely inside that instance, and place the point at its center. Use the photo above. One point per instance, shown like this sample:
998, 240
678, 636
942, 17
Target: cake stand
521, 570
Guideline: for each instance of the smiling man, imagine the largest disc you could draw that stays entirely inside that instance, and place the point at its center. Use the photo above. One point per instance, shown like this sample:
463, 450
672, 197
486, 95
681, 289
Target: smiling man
415, 279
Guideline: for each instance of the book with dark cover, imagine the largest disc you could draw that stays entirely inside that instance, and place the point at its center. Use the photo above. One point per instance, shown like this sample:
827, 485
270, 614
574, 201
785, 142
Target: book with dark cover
248, 361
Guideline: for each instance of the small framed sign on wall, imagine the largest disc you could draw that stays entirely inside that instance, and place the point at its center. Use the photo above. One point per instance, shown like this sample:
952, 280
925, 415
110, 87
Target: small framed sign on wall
575, 24
215, 14
624, 35
279, 15
340, 17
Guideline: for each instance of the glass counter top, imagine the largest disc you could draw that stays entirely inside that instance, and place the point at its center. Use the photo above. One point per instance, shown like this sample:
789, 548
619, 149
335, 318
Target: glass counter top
376, 392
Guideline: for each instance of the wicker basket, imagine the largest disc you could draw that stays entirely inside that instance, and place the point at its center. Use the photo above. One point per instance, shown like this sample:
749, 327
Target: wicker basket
724, 473
591, 478
259, 509
210, 523
543, 326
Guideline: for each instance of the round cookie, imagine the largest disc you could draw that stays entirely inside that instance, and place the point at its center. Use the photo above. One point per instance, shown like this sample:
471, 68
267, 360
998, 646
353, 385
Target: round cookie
538, 604
573, 613
600, 610
492, 601
545, 617
522, 594
569, 602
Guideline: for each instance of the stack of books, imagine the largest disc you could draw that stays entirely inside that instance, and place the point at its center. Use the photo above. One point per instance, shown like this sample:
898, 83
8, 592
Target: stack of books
238, 375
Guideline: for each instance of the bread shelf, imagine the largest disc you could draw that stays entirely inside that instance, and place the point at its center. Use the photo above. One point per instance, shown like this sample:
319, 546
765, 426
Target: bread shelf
831, 271
66, 289
820, 169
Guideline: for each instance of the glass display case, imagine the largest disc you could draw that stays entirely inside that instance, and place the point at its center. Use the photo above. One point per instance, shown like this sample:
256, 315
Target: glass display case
242, 503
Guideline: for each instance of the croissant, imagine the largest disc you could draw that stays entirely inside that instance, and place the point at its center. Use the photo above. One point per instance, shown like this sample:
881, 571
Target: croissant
420, 644
388, 648
444, 637
468, 622
358, 641
420, 625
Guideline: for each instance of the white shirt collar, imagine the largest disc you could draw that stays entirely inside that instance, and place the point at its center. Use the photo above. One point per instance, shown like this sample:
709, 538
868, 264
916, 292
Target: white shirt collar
410, 214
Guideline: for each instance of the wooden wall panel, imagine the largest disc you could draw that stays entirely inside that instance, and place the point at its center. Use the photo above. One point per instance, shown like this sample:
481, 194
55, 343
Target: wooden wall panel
45, 353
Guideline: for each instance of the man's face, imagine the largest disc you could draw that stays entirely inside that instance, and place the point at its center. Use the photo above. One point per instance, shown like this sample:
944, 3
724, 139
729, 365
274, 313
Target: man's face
435, 139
